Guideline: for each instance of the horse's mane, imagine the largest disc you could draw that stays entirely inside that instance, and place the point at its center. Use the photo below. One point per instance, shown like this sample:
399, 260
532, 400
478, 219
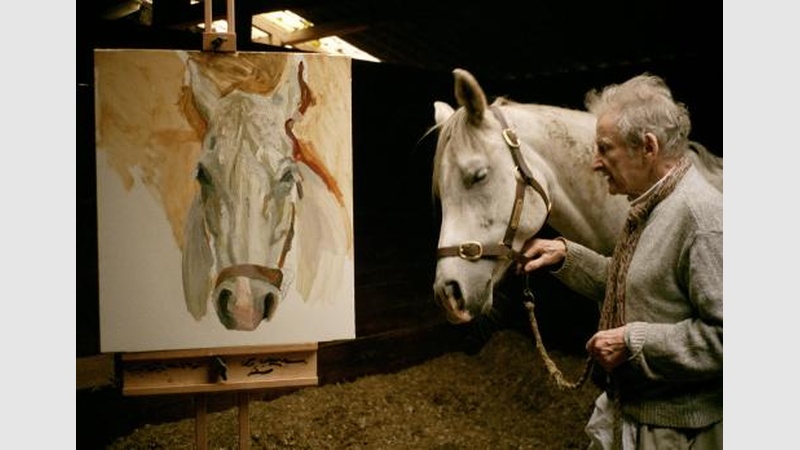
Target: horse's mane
709, 160
500, 101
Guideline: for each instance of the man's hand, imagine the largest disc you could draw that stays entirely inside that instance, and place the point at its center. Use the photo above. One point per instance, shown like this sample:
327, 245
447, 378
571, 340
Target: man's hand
608, 348
542, 252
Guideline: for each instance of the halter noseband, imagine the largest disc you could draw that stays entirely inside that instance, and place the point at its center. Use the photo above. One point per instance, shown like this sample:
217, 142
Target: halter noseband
475, 250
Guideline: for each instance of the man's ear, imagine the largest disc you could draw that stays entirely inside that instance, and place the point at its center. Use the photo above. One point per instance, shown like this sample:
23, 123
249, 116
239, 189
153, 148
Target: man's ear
650, 145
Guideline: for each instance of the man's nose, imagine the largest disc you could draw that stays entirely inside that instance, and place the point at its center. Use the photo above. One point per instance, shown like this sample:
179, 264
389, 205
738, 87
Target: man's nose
597, 163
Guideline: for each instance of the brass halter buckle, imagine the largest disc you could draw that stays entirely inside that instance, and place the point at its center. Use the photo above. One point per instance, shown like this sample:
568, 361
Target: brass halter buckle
471, 250
510, 137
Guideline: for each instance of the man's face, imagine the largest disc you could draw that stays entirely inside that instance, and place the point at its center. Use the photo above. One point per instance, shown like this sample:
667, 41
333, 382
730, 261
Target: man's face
625, 168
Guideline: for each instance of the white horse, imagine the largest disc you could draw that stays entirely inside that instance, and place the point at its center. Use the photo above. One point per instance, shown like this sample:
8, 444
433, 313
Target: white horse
503, 171
254, 185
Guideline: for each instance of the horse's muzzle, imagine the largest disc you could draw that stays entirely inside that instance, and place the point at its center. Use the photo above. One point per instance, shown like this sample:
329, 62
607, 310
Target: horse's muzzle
246, 295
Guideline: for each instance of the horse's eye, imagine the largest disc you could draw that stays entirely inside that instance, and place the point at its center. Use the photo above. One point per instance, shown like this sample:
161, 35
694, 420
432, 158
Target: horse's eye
479, 175
288, 179
202, 176
288, 176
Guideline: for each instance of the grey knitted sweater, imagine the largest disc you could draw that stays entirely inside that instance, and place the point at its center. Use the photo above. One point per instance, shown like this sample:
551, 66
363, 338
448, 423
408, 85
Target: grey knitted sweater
673, 308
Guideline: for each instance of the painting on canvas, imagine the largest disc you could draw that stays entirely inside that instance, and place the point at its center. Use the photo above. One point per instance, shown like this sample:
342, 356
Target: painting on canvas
224, 199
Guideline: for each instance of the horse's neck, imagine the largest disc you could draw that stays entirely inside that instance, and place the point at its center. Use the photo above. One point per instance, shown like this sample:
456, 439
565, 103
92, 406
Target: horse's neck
560, 148
590, 224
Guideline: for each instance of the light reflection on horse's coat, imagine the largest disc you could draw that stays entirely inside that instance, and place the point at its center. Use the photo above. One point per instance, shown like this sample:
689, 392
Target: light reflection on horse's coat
474, 178
241, 227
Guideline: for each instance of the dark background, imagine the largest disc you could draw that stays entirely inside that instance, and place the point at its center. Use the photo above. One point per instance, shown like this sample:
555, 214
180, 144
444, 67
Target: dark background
395, 217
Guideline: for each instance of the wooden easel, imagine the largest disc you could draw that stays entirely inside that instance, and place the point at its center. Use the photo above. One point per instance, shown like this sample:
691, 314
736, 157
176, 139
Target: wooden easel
219, 42
226, 369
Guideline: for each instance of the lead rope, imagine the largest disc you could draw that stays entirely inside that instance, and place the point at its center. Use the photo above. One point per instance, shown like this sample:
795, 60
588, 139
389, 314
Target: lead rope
554, 371
525, 175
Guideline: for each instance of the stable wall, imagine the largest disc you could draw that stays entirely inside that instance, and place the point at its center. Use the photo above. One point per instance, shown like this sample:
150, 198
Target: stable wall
395, 222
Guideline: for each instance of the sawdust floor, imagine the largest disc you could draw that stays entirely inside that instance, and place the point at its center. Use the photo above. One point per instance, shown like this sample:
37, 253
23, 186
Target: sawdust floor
501, 397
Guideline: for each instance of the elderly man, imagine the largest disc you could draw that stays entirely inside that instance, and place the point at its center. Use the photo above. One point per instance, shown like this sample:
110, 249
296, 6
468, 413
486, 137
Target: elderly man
658, 351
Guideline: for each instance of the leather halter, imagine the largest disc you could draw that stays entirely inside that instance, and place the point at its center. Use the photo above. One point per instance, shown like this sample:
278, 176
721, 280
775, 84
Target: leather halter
475, 250
271, 275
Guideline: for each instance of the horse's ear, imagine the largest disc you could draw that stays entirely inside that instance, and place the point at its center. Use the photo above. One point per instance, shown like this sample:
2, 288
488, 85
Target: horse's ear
470, 95
204, 91
441, 112
197, 262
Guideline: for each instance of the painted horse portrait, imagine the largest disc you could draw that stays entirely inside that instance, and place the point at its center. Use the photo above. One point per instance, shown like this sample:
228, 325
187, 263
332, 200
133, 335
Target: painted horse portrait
256, 179
504, 170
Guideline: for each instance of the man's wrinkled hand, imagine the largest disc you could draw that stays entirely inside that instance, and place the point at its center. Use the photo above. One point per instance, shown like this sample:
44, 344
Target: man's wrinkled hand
542, 252
608, 348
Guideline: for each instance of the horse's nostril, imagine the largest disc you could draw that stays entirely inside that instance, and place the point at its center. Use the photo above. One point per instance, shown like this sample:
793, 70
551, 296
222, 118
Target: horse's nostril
223, 312
453, 291
269, 305
224, 299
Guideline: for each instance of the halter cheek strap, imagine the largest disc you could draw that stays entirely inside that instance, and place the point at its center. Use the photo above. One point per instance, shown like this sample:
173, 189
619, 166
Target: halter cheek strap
475, 250
510, 136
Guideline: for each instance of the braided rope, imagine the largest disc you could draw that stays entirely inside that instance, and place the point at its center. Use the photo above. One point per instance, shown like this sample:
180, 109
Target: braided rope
552, 368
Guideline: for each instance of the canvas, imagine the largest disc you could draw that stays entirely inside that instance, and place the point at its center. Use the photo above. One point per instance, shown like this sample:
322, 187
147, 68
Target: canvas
224, 199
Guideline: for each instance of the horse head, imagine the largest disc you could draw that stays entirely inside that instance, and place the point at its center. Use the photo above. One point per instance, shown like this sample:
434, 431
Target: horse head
241, 223
491, 200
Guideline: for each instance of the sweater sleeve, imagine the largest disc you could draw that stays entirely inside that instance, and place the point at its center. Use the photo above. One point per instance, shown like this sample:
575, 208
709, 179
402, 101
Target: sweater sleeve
692, 348
584, 271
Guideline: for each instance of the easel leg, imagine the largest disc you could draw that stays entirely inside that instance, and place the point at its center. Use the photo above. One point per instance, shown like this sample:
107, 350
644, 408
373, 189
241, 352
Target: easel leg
200, 427
244, 421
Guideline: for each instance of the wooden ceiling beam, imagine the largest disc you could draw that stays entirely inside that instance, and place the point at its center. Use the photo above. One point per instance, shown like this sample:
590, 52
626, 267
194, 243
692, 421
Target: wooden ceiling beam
183, 14
321, 31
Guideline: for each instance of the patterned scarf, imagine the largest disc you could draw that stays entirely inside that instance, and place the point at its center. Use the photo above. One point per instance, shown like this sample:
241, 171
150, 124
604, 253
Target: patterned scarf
612, 314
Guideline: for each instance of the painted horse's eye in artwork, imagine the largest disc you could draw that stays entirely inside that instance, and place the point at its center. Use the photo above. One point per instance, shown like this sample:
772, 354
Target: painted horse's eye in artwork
224, 199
